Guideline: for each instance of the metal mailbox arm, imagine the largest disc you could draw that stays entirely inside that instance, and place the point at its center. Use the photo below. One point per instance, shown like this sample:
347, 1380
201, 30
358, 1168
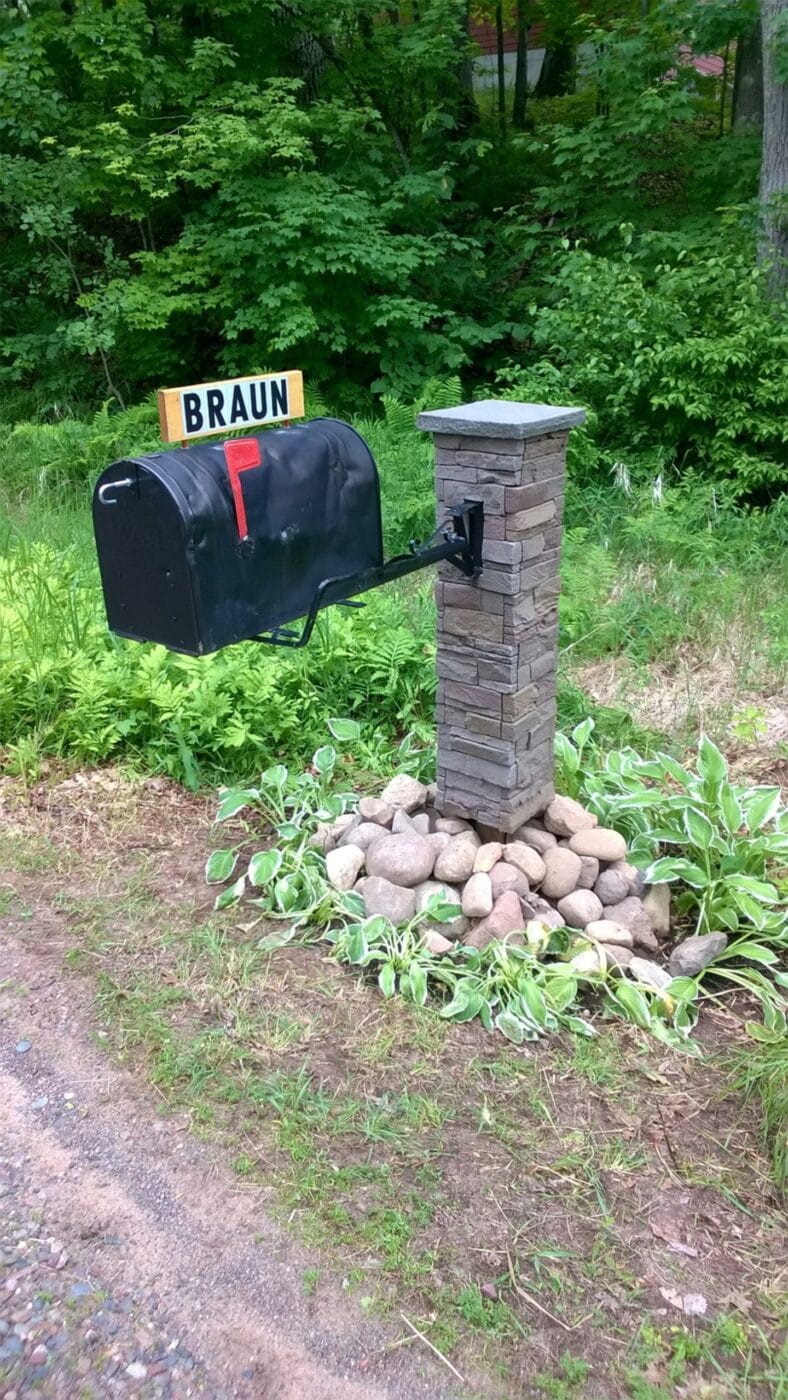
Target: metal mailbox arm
458, 542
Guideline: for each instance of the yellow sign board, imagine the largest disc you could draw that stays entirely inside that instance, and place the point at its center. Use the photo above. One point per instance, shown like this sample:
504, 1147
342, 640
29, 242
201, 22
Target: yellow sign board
200, 410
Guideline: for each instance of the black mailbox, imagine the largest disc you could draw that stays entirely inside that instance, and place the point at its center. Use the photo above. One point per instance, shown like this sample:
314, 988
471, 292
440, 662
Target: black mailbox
221, 542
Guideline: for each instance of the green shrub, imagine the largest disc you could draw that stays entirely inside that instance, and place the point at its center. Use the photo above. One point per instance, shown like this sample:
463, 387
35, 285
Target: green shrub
673, 344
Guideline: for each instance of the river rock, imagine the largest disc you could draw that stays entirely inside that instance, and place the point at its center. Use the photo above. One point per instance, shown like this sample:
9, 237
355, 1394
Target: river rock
650, 973
691, 956
605, 931
401, 822
407, 859
321, 838
508, 877
579, 908
588, 873
452, 825
656, 902
612, 886
457, 926
381, 897
632, 915
538, 908
343, 866
455, 861
477, 897
421, 823
364, 835
600, 842
438, 840
636, 885
506, 918
373, 809
405, 792
617, 957
562, 872
587, 960
564, 817
340, 826
525, 858
536, 837
487, 856
437, 943
429, 889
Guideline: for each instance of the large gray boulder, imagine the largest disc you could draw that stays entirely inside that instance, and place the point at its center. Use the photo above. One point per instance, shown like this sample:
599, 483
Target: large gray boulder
407, 859
564, 817
394, 902
690, 957
562, 872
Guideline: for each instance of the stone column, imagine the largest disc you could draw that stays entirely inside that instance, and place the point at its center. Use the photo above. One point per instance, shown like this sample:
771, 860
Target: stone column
498, 635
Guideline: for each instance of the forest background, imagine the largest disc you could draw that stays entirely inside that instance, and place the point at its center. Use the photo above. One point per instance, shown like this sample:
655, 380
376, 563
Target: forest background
196, 190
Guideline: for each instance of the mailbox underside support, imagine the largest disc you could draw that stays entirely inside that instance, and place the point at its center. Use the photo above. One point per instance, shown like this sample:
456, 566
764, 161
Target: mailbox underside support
458, 542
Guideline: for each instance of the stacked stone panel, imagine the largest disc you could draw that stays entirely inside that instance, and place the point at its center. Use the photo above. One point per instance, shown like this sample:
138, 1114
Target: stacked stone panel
498, 634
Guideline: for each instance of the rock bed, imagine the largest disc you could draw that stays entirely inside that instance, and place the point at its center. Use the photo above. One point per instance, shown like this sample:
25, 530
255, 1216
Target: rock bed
562, 869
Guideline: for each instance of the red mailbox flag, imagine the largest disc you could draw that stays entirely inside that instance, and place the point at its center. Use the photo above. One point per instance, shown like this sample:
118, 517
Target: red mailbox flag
241, 454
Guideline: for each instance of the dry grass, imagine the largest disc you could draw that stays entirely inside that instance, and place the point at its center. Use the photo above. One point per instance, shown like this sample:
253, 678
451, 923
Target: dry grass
700, 691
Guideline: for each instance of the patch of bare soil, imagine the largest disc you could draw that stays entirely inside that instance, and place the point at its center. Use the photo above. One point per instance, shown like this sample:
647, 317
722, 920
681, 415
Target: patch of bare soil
561, 1215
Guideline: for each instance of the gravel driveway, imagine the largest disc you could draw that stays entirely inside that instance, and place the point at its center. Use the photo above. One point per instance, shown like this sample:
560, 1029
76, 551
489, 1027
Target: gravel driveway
131, 1261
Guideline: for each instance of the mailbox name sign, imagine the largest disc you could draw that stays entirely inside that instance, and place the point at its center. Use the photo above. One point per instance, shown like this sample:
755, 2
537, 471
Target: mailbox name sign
202, 409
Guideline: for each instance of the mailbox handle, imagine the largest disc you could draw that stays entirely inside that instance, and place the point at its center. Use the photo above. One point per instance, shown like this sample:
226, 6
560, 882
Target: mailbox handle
112, 486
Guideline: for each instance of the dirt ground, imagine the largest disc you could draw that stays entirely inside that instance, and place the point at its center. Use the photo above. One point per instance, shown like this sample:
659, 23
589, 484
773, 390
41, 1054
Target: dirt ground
227, 1173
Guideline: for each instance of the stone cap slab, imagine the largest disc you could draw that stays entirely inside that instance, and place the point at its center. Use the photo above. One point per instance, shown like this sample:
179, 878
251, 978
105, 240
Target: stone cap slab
500, 418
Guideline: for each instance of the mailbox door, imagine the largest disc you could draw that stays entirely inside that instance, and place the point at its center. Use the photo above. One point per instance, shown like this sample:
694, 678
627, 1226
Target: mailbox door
144, 558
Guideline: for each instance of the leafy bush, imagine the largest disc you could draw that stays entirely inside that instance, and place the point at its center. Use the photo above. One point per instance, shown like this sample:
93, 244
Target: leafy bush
672, 342
92, 696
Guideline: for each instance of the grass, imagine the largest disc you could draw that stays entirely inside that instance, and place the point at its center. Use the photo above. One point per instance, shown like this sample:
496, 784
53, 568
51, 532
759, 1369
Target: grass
654, 597
500, 1198
762, 1074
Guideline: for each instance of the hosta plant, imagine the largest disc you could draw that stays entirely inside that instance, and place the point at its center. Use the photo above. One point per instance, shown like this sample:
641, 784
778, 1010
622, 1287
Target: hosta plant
722, 846
525, 991
725, 840
286, 881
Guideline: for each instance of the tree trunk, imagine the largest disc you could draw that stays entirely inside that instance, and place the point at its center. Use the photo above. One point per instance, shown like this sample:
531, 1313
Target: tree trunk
501, 69
773, 243
521, 71
555, 79
468, 113
747, 114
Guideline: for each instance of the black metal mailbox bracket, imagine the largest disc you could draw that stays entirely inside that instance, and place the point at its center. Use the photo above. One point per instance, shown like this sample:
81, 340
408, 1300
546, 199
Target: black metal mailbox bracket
458, 542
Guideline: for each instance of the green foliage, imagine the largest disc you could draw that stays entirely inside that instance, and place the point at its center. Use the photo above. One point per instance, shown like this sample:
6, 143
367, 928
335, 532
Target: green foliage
185, 193
91, 696
246, 187
532, 989
726, 848
674, 345
762, 1073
